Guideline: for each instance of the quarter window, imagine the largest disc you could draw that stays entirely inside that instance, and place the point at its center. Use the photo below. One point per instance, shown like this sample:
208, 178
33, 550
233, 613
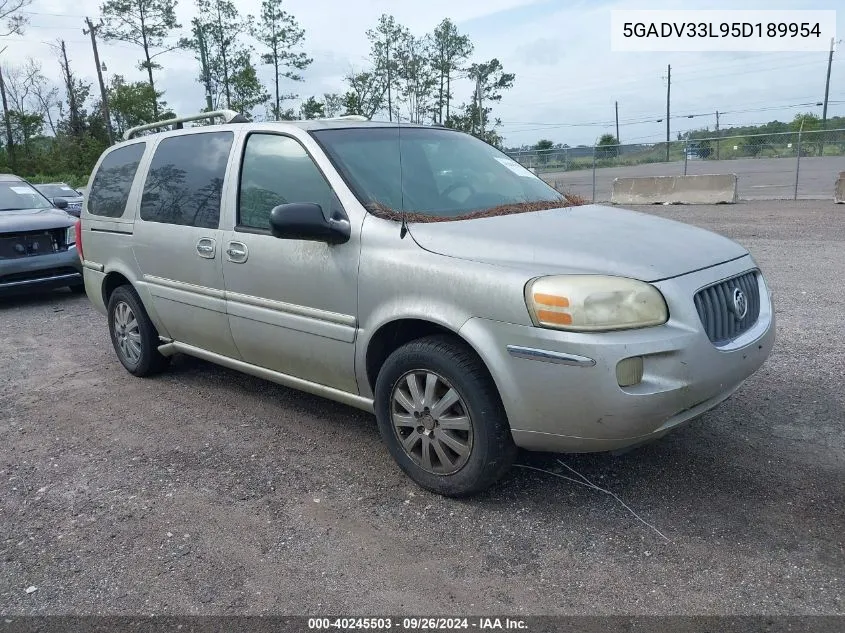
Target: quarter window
110, 189
277, 170
185, 181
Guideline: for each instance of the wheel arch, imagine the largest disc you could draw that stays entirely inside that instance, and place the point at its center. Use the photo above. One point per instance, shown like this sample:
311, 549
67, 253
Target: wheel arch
119, 275
111, 282
395, 333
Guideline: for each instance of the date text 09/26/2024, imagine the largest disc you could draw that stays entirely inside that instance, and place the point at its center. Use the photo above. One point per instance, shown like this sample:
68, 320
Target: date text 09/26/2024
416, 624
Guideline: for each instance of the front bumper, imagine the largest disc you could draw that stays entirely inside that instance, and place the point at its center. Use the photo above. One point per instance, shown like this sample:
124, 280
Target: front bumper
42, 272
580, 407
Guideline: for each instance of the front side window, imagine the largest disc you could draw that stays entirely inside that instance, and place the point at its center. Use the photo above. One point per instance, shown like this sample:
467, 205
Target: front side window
110, 189
432, 172
185, 181
277, 170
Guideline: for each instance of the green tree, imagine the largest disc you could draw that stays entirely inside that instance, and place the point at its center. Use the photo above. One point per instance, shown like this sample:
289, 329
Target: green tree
280, 34
450, 50
25, 114
144, 23
216, 40
607, 147
416, 78
806, 121
11, 13
332, 104
490, 80
131, 104
365, 95
76, 94
385, 40
466, 120
312, 109
543, 148
247, 89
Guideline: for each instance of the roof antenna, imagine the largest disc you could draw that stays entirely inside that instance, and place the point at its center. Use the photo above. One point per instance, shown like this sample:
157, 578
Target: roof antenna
403, 231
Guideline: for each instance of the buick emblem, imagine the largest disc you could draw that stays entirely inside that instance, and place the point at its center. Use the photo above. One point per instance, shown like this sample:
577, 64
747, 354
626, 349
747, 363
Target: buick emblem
740, 307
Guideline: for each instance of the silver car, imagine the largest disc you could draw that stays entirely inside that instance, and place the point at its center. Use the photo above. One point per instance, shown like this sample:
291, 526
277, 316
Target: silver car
420, 274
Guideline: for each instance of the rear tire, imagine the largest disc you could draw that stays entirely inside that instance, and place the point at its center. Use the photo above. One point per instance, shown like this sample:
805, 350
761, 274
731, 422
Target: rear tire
441, 417
133, 335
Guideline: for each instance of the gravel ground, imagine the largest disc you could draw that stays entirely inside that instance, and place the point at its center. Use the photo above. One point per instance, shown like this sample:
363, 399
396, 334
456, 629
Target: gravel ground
206, 491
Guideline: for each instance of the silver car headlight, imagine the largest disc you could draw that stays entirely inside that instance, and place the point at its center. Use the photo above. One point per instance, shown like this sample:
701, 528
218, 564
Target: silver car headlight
594, 303
70, 235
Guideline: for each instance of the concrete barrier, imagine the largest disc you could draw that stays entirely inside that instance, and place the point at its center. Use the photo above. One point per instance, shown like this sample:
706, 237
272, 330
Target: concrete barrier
839, 191
705, 189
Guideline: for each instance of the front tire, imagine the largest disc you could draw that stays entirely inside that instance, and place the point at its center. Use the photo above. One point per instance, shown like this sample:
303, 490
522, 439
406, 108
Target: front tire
133, 335
441, 417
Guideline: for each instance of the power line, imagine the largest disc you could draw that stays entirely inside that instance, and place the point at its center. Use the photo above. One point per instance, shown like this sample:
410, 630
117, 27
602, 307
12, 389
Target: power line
652, 119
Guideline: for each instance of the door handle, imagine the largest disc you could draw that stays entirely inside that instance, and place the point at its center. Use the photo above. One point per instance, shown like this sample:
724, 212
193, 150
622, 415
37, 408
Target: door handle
237, 252
206, 248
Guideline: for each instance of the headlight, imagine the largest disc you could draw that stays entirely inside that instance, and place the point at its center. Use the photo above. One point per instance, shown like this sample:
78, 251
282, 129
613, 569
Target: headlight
590, 303
70, 235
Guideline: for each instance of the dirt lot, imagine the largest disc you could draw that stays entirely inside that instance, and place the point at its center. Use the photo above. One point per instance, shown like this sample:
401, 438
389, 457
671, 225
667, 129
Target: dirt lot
206, 491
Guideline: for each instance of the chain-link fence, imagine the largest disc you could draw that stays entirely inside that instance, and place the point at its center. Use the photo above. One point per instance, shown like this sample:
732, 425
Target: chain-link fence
789, 165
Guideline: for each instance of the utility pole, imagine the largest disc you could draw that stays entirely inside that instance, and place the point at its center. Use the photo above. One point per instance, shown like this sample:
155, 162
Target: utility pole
92, 31
717, 135
827, 83
616, 103
668, 91
826, 93
206, 77
10, 142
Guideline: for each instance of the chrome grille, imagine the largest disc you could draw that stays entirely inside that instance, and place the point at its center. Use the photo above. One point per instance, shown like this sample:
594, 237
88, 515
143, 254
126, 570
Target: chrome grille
718, 312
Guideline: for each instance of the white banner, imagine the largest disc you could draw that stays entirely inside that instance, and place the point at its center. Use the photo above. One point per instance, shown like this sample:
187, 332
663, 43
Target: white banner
699, 31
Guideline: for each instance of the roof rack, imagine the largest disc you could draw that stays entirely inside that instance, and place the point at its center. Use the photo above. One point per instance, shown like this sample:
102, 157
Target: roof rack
228, 116
346, 117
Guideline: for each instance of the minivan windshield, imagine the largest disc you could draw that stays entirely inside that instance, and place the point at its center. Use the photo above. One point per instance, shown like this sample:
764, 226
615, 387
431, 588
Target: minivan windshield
18, 195
433, 173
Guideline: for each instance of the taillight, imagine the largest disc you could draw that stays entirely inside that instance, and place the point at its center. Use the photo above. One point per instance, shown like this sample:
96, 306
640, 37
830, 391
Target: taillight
79, 239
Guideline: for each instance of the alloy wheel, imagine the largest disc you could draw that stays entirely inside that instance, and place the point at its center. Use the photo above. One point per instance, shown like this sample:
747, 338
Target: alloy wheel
127, 333
431, 421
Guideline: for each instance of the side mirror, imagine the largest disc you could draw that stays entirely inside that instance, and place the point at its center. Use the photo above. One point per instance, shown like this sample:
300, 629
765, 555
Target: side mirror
305, 221
59, 203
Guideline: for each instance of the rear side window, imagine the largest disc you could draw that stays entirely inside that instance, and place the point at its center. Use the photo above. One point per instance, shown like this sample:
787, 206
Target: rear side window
185, 181
110, 189
277, 170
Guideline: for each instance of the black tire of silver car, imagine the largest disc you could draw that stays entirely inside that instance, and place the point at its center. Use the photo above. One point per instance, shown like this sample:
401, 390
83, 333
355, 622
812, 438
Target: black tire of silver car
133, 335
441, 417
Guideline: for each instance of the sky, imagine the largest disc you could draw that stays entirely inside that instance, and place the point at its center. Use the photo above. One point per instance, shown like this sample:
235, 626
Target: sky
567, 77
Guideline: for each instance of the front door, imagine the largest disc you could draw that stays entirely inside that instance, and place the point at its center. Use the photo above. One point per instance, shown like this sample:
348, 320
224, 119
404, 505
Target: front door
178, 243
291, 303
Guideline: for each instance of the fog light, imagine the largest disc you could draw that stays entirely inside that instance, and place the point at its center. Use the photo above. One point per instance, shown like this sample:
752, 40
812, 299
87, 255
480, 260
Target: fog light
629, 371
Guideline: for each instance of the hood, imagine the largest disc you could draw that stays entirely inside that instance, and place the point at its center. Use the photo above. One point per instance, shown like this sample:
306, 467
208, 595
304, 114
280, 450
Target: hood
588, 239
34, 220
